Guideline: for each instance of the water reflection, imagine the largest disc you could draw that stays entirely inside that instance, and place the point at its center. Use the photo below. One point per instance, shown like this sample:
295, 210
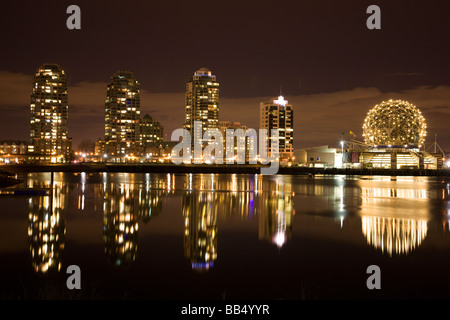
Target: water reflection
276, 213
373, 193
394, 217
47, 227
124, 206
200, 212
120, 224
232, 194
395, 214
393, 235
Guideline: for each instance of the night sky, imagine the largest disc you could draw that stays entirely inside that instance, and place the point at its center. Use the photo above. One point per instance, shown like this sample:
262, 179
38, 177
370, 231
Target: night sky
331, 68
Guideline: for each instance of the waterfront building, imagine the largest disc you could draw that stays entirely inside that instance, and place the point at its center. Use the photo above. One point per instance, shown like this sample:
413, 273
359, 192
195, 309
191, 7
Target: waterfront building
158, 151
224, 125
394, 134
151, 131
49, 141
13, 151
202, 104
279, 114
13, 147
236, 148
99, 149
122, 117
319, 157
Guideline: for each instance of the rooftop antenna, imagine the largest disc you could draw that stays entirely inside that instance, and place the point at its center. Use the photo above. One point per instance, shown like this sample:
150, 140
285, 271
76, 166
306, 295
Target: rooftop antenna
436, 146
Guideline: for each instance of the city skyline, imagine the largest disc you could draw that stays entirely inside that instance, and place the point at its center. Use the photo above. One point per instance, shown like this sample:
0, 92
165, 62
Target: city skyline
331, 67
362, 94
201, 153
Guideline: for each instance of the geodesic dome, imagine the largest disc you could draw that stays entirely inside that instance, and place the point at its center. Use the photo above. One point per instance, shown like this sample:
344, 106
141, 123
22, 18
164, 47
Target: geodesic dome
395, 123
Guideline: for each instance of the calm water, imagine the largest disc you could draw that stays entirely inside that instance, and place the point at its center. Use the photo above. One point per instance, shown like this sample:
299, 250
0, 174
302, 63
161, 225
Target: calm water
206, 236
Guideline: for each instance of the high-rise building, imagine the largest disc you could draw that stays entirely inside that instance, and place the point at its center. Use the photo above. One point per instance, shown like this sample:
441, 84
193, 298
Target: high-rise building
278, 114
49, 141
202, 103
247, 147
122, 116
151, 131
224, 125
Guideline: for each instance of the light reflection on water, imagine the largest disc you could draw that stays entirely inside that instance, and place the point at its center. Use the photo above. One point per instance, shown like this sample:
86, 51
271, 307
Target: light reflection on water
47, 228
392, 235
394, 212
399, 229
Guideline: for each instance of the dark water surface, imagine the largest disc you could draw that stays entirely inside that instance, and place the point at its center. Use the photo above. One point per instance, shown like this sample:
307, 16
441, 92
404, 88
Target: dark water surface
213, 236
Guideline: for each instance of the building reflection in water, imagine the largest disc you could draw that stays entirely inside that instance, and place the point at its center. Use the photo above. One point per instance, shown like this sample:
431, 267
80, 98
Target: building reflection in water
446, 207
120, 225
124, 205
321, 196
47, 227
231, 196
393, 235
276, 212
395, 212
234, 196
200, 211
394, 232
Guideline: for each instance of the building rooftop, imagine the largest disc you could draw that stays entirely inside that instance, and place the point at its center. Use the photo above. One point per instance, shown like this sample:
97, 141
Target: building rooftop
124, 74
11, 142
50, 66
203, 72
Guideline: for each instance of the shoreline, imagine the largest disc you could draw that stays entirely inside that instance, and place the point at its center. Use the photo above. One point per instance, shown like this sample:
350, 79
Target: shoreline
6, 179
225, 169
